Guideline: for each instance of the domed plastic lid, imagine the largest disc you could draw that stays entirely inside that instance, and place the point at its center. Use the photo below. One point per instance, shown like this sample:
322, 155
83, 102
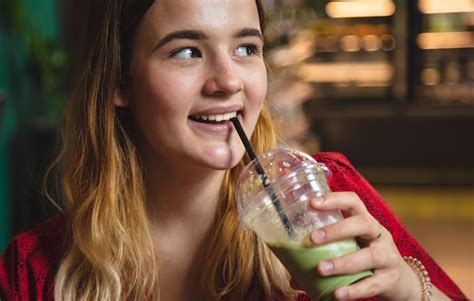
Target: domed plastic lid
289, 176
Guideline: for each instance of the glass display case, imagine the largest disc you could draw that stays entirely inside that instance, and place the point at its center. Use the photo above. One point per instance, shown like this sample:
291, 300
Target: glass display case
386, 82
443, 48
354, 57
325, 53
351, 51
378, 51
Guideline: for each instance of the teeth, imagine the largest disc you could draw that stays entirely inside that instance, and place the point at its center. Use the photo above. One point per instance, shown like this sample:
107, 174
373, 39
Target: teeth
218, 117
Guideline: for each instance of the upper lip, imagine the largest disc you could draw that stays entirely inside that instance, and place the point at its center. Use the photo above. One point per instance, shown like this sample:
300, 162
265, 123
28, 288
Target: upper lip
219, 110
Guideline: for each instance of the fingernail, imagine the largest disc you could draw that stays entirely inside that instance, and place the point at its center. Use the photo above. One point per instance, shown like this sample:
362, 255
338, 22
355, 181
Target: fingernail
319, 201
342, 293
325, 266
318, 236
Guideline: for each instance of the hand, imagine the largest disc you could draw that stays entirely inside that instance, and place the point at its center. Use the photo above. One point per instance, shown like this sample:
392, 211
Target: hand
392, 279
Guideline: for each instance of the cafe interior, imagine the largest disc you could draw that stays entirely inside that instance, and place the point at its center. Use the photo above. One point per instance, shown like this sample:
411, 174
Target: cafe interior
387, 83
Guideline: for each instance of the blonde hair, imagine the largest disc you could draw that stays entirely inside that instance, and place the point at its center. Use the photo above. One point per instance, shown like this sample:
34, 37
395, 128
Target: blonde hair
110, 255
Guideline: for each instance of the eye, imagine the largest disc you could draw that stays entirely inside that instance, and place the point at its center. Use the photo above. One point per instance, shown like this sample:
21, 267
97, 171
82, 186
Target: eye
246, 50
186, 53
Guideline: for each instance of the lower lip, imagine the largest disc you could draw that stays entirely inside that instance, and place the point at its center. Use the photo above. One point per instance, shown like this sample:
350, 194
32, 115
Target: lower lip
221, 128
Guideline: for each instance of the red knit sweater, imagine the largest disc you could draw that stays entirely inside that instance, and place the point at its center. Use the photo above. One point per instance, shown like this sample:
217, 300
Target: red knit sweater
30, 261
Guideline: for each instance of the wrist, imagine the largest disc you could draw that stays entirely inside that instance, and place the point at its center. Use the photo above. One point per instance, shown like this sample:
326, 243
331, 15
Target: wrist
423, 288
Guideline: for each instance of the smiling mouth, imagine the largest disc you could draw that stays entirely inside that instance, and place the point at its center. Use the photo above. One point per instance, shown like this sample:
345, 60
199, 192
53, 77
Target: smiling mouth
215, 118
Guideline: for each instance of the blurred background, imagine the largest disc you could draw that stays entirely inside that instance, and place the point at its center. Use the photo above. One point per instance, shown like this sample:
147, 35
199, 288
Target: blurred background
388, 83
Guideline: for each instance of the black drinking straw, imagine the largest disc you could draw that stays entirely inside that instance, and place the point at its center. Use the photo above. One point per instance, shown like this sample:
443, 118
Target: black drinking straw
263, 176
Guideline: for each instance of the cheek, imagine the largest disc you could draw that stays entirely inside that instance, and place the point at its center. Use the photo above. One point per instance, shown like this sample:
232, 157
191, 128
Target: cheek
179, 83
257, 82
164, 94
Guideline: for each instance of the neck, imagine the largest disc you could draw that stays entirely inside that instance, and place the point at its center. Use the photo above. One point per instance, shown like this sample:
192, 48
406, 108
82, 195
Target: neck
182, 194
182, 204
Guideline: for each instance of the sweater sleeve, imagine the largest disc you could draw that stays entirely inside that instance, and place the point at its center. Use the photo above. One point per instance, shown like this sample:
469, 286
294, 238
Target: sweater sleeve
8, 289
28, 264
346, 178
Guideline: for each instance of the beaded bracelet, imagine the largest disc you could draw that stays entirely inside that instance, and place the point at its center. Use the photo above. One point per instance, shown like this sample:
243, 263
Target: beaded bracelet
422, 274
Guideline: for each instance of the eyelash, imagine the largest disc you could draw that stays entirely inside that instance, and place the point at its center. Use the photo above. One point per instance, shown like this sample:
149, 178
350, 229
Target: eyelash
254, 49
194, 50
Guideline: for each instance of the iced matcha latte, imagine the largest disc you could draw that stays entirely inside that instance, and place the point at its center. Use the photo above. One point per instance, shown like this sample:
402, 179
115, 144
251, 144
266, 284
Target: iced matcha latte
301, 261
273, 193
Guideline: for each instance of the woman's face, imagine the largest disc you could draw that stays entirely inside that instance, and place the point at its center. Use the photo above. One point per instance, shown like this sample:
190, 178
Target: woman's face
195, 64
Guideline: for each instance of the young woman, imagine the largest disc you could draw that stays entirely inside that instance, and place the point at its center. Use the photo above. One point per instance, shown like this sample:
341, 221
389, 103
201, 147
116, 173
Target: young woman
150, 160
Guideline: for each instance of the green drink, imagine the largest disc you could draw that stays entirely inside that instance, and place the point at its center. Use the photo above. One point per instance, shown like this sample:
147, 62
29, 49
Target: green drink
273, 195
301, 262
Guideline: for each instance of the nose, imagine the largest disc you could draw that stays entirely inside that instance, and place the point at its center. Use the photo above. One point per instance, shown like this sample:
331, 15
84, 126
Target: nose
223, 80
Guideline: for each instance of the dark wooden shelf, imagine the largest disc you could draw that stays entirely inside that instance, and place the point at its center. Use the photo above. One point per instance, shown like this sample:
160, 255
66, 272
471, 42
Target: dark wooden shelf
429, 140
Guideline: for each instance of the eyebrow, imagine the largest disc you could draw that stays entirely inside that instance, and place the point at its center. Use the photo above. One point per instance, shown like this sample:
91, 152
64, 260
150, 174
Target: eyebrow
181, 35
199, 35
249, 32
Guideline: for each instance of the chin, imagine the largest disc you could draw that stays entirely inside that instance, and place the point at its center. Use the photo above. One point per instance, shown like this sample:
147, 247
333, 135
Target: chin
222, 159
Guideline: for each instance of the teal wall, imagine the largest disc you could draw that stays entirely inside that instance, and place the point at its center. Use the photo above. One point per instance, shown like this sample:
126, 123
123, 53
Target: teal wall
20, 89
6, 127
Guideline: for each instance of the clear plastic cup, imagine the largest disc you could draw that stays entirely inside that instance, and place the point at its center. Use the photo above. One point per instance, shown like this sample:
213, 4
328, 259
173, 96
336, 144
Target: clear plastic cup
276, 207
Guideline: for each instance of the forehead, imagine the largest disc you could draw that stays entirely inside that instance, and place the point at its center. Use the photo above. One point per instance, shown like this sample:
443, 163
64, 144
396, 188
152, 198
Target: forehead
170, 15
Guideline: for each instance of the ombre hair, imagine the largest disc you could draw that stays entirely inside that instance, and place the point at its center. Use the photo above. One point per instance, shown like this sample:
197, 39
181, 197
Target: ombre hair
110, 254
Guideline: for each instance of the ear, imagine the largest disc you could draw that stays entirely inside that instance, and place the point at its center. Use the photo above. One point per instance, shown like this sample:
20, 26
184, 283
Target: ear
121, 98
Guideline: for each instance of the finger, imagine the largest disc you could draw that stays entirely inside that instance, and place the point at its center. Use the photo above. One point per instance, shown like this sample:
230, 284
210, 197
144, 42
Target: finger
346, 201
366, 288
364, 259
364, 226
